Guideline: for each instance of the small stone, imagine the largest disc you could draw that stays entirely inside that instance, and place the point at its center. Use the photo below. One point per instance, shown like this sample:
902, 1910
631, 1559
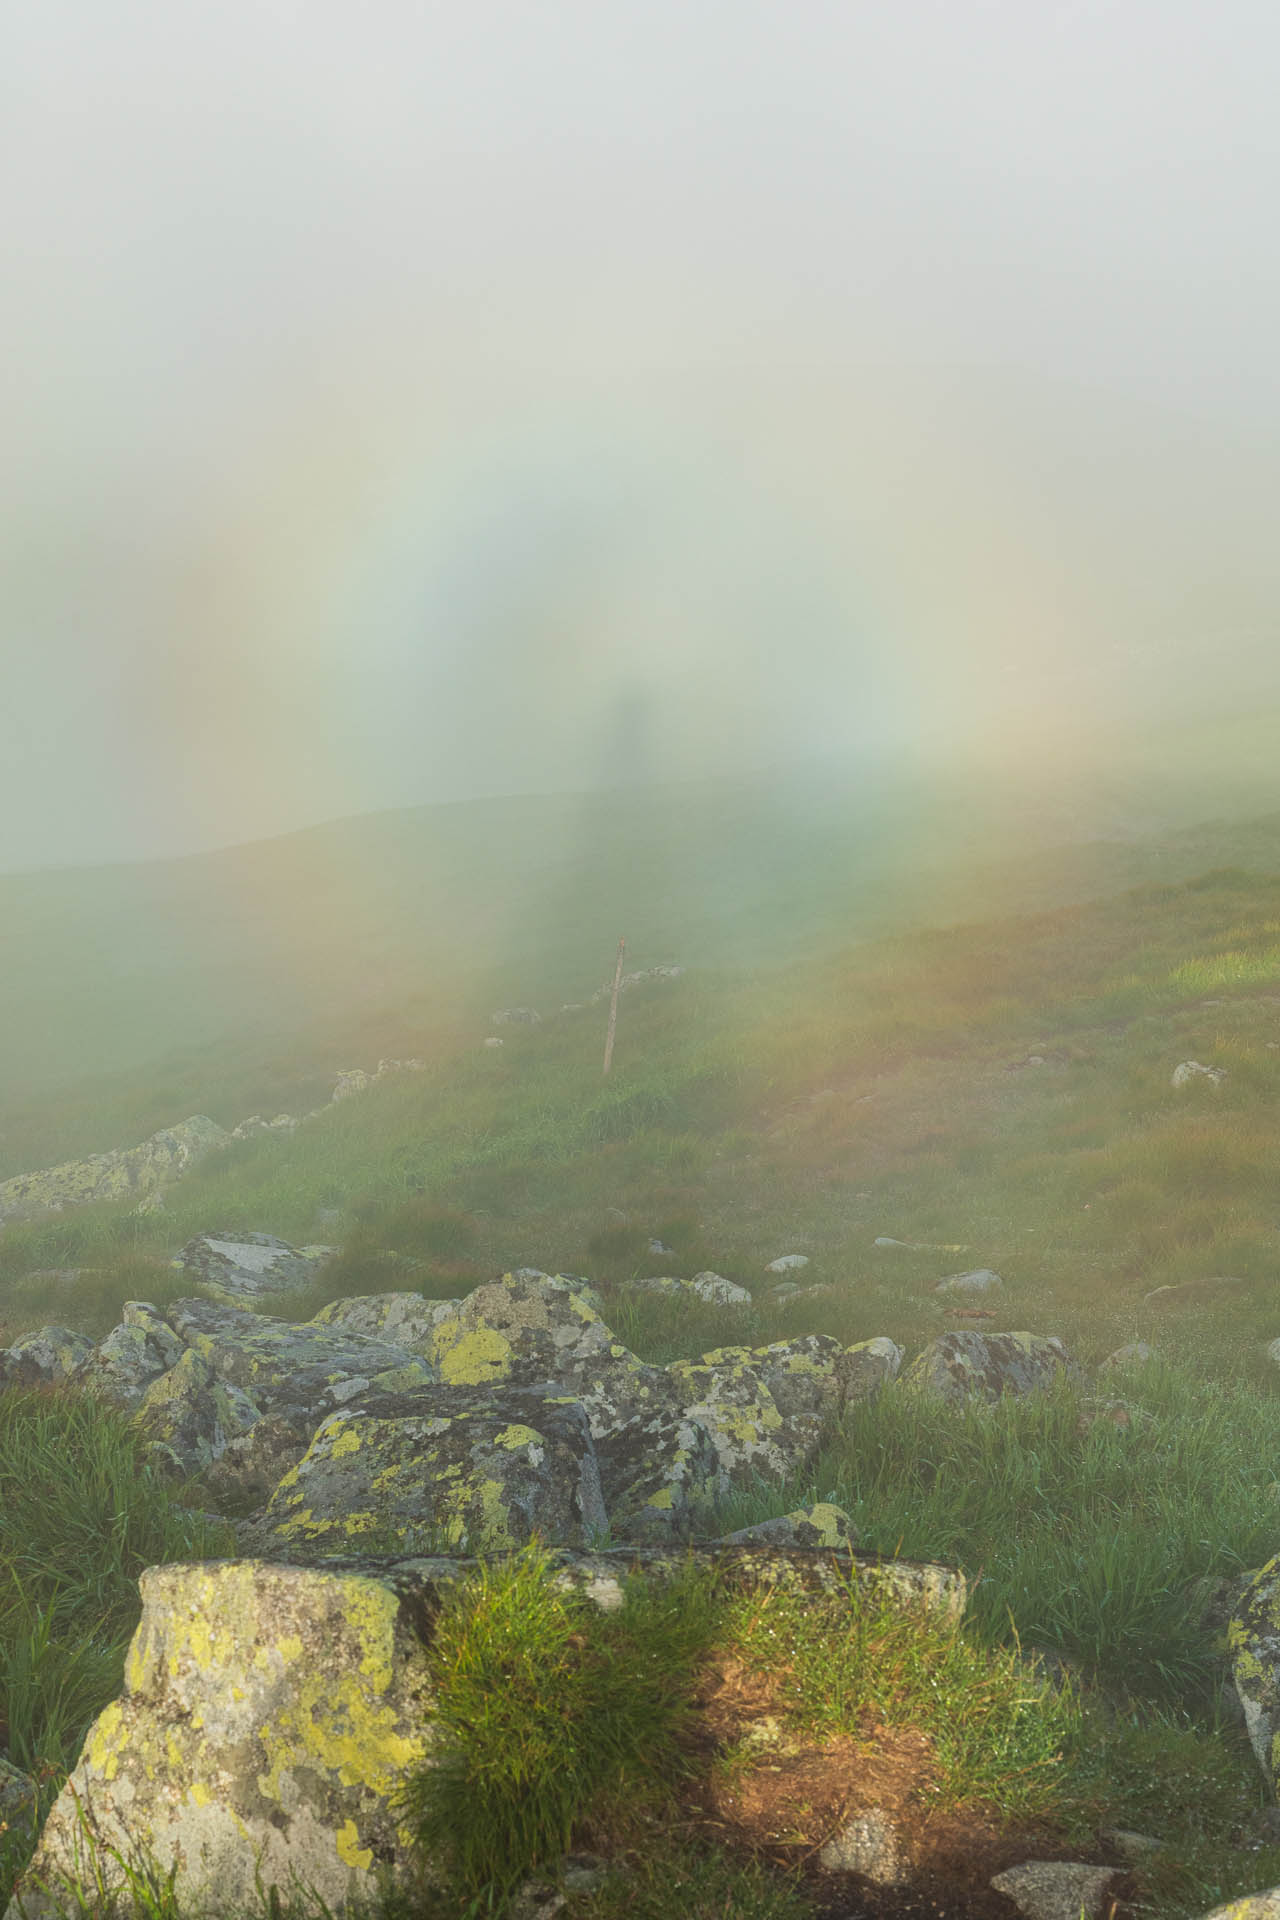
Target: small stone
870, 1845
1134, 1847
980, 1280
1056, 1889
1189, 1070
492, 1041
786, 1262
1137, 1352
720, 1292
660, 1246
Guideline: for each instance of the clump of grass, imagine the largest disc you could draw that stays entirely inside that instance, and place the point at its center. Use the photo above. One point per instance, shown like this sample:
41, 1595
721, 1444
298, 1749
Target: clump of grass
546, 1712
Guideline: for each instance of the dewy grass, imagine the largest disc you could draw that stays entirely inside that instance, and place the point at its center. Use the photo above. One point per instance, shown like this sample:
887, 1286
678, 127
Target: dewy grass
549, 1711
1087, 1535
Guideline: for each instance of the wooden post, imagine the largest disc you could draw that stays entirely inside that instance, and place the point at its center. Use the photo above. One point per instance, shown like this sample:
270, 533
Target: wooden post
613, 1007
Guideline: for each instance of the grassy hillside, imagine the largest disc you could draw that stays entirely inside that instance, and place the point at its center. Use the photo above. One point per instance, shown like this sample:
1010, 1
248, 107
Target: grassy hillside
995, 1092
235, 981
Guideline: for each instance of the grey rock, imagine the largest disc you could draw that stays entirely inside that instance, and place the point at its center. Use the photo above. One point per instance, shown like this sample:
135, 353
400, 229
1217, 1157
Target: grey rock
1136, 1353
986, 1365
979, 1280
123, 1173
249, 1266
1056, 1889
870, 1844
45, 1357
1188, 1070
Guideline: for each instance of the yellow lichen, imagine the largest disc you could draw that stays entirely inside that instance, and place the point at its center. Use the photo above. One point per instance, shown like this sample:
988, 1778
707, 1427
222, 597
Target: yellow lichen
473, 1357
350, 1852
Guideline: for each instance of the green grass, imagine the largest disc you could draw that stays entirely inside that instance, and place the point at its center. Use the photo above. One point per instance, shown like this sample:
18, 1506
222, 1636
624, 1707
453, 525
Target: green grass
882, 1090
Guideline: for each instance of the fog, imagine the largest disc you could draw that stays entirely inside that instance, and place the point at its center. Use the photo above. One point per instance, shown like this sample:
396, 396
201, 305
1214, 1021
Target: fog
416, 402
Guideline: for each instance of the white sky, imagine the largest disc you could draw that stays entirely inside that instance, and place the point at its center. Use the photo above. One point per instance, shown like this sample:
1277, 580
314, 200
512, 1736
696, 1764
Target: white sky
408, 401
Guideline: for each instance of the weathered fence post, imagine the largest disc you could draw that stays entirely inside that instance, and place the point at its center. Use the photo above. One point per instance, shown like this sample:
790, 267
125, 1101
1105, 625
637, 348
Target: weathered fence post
613, 1007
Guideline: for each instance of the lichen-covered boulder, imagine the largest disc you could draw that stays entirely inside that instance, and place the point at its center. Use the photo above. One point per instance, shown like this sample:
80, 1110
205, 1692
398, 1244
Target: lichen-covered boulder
983, 1366
268, 1716
708, 1286
272, 1715
728, 1395
405, 1319
249, 1266
44, 1358
282, 1365
866, 1366
523, 1329
122, 1367
1253, 1641
1250, 1906
442, 1469
660, 1466
121, 1174
188, 1415
719, 1292
821, 1525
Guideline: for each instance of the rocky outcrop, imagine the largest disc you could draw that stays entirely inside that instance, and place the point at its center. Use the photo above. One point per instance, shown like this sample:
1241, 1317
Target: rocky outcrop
274, 1703
124, 1173
142, 1173
272, 1713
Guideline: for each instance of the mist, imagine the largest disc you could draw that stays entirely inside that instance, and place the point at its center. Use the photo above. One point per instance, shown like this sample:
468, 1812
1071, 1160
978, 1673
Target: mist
454, 402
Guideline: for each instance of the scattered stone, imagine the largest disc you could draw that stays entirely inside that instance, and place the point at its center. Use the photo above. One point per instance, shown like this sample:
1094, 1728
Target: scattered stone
493, 1041
980, 1280
516, 1017
1188, 1070
787, 1262
661, 1248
